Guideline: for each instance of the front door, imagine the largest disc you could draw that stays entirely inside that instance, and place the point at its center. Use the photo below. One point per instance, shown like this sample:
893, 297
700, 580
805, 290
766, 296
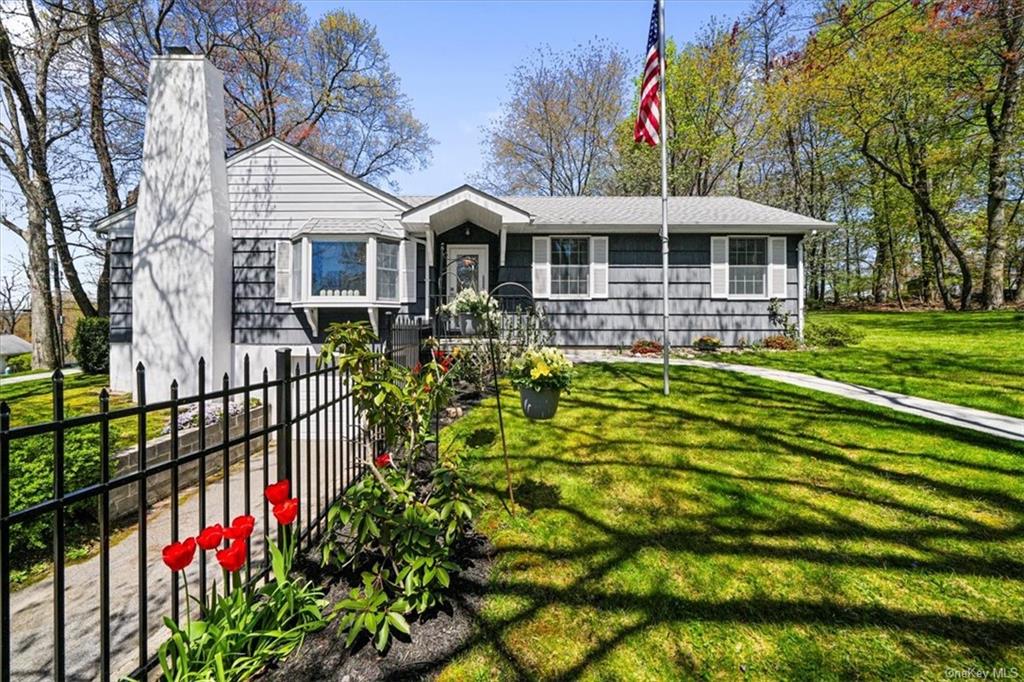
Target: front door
467, 268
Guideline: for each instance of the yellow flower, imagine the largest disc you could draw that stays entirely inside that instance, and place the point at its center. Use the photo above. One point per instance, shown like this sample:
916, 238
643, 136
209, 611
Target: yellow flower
540, 370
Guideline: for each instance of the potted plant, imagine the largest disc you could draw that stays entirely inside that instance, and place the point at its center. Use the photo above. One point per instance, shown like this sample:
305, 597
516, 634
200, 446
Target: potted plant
541, 374
472, 309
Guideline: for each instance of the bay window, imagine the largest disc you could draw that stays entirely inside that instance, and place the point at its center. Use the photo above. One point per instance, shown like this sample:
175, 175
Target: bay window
338, 268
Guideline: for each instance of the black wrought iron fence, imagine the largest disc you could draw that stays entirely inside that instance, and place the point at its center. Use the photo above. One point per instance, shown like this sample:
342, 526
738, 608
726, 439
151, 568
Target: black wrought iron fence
220, 450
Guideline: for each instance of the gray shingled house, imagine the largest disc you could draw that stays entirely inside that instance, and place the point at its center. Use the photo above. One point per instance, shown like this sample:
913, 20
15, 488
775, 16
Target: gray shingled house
222, 257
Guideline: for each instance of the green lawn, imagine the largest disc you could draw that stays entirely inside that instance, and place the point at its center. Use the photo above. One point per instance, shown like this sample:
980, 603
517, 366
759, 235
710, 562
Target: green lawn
741, 526
31, 463
32, 402
973, 359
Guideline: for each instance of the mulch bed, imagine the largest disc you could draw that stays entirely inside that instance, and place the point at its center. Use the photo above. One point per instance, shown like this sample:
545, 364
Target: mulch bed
436, 636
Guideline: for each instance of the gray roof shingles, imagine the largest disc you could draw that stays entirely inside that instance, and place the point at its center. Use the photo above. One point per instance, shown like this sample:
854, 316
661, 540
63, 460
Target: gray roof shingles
718, 211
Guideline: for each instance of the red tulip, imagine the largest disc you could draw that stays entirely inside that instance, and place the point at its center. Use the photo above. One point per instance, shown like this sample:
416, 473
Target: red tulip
382, 460
418, 368
241, 528
286, 512
210, 537
232, 558
278, 492
178, 555
426, 389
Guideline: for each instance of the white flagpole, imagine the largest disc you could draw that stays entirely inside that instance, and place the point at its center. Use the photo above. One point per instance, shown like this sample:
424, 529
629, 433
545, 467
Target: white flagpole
663, 133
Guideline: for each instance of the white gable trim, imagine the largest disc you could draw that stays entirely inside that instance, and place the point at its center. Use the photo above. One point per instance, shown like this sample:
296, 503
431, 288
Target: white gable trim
506, 213
336, 173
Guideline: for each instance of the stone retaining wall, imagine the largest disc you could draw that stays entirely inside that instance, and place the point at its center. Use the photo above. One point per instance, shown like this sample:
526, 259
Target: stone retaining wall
124, 501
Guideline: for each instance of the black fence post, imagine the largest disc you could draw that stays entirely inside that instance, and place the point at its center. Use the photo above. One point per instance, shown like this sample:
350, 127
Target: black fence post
104, 515
5, 543
284, 420
58, 526
140, 399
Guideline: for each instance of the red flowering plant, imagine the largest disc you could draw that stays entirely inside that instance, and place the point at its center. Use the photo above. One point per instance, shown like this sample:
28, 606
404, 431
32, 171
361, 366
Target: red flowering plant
243, 629
394, 532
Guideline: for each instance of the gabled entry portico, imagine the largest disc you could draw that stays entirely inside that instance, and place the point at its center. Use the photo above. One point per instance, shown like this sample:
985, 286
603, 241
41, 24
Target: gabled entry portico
466, 231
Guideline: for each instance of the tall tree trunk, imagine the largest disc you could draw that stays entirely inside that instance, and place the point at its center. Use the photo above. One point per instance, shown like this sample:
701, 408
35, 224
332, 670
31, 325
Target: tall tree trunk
999, 121
895, 269
34, 116
100, 144
927, 264
44, 351
938, 266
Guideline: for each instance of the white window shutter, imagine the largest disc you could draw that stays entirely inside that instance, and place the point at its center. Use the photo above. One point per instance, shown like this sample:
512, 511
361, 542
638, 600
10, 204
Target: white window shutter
407, 272
541, 267
297, 270
283, 272
599, 267
777, 267
719, 267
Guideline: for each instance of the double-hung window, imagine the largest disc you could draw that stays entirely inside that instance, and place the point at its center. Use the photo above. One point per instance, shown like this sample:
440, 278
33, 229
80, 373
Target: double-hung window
387, 270
748, 266
570, 266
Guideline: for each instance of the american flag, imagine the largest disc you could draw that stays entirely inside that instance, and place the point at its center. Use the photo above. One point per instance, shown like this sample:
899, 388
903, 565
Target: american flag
647, 128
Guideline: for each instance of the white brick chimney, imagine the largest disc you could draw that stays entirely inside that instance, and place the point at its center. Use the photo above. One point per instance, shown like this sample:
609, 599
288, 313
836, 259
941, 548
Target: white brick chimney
181, 262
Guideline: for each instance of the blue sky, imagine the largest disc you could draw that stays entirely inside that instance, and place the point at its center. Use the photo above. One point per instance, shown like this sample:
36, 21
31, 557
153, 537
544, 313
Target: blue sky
455, 57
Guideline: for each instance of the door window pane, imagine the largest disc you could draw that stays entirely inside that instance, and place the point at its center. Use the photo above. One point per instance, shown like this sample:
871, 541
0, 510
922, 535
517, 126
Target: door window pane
339, 268
467, 272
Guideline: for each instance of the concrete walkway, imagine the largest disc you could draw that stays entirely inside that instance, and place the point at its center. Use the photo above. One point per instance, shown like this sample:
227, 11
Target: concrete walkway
36, 376
957, 415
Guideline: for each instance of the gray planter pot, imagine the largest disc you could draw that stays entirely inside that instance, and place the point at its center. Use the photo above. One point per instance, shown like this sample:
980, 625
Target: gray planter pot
539, 404
468, 325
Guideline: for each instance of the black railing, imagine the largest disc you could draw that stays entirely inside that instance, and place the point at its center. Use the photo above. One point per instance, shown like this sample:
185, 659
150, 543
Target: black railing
402, 338
299, 424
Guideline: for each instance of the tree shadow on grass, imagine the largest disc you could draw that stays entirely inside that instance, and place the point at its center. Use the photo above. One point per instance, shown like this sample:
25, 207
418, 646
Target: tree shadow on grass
870, 507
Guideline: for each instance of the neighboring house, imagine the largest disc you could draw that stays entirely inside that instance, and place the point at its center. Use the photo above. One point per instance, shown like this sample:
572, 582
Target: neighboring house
225, 257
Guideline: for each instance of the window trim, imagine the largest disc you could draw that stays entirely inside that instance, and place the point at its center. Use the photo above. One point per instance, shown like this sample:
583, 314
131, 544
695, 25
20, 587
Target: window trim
767, 268
305, 298
551, 269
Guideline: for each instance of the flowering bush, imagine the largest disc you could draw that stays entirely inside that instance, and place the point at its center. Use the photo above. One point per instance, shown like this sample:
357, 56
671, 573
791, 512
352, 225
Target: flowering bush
241, 630
646, 347
479, 304
541, 369
780, 342
395, 530
188, 417
707, 343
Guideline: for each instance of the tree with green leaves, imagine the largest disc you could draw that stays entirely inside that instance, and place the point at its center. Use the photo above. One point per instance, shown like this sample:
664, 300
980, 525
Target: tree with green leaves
555, 135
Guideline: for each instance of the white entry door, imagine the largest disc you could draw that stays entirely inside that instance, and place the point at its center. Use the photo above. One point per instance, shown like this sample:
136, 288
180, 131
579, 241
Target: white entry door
467, 268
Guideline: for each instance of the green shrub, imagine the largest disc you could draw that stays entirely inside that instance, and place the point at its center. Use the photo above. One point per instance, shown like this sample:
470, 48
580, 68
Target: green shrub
646, 347
32, 482
708, 343
20, 363
779, 342
396, 530
832, 334
91, 344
